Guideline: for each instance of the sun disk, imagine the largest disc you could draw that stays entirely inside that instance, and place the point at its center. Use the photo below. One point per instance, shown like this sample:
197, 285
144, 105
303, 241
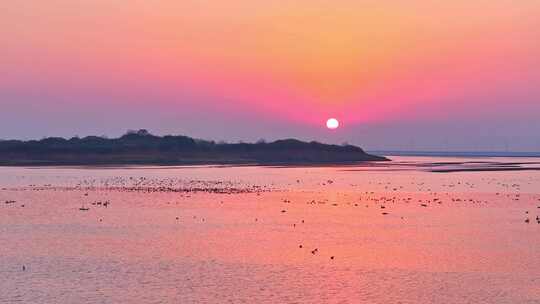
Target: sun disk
332, 123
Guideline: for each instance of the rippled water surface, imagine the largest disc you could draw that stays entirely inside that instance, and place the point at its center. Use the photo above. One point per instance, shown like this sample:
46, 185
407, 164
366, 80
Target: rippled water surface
417, 230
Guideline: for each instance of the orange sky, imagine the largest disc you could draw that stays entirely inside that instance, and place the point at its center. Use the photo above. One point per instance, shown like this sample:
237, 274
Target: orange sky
301, 61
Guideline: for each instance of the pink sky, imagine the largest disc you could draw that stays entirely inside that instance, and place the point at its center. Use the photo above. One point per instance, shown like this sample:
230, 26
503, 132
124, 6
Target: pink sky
393, 72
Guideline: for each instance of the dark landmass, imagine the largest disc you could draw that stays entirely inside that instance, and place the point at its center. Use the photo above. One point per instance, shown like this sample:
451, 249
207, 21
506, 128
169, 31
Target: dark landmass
142, 148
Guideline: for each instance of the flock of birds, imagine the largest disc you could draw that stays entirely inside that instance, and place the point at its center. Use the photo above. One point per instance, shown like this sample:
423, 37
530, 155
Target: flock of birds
424, 196
178, 185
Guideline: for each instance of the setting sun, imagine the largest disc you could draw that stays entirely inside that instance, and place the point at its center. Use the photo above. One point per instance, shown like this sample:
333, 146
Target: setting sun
332, 123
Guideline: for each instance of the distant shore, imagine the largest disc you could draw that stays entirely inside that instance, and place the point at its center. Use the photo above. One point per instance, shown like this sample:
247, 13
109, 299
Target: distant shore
142, 148
456, 153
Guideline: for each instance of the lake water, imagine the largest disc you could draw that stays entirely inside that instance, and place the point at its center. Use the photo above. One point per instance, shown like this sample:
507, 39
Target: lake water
417, 230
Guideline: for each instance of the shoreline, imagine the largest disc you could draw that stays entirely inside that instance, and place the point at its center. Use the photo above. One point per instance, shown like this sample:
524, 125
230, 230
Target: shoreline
188, 163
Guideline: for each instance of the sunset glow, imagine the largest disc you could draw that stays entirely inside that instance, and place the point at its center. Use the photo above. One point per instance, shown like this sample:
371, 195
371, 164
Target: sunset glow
372, 63
259, 151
